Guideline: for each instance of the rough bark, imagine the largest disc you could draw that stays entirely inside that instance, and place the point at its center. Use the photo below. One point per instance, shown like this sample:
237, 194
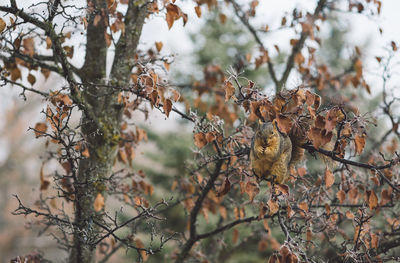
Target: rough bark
102, 141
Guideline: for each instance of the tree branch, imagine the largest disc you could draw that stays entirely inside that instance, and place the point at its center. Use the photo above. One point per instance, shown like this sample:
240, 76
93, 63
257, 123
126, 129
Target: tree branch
333, 156
298, 46
241, 15
195, 211
125, 49
230, 225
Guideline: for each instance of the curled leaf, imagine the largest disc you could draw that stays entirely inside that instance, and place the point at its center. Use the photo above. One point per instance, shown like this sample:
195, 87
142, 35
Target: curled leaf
252, 189
224, 189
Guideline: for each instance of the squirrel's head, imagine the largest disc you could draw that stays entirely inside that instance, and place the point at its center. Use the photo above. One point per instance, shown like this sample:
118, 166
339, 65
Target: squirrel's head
267, 130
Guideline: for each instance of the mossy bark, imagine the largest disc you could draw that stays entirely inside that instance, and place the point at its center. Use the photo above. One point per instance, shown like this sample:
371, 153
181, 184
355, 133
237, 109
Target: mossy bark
102, 142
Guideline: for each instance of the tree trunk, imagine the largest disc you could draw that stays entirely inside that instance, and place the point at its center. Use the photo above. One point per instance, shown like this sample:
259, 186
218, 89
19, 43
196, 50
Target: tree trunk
102, 142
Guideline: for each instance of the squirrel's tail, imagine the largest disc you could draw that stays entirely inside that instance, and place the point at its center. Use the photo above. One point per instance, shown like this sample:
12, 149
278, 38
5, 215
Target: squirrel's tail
297, 155
298, 136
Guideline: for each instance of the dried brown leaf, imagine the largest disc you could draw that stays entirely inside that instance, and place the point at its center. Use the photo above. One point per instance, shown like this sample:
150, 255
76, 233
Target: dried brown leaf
252, 189
40, 129
229, 90
225, 187
329, 178
359, 143
341, 195
98, 202
303, 206
2, 25
159, 46
197, 9
167, 107
273, 207
200, 140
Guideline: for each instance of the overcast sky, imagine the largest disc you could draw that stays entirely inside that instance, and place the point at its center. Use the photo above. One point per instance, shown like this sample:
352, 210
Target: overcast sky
176, 40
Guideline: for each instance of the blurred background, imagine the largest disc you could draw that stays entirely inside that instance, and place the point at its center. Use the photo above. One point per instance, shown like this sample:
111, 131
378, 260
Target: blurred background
202, 42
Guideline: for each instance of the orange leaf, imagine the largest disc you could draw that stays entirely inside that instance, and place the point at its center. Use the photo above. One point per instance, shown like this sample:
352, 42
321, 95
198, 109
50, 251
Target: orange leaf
159, 46
175, 95
329, 178
200, 140
44, 184
252, 189
236, 212
360, 143
15, 74
374, 240
210, 137
29, 46
167, 106
372, 200
349, 215
138, 201
299, 58
143, 253
69, 51
341, 195
166, 65
198, 11
223, 212
222, 18
358, 68
2, 25
386, 196
40, 128
301, 171
327, 209
225, 187
173, 13
266, 226
290, 211
31, 79
85, 152
353, 193
346, 131
283, 188
284, 123
229, 90
394, 46
98, 202
319, 137
154, 98
303, 206
273, 207
122, 156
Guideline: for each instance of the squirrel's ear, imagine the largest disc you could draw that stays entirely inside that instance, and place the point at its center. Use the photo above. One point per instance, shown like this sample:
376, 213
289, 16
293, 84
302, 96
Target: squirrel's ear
275, 125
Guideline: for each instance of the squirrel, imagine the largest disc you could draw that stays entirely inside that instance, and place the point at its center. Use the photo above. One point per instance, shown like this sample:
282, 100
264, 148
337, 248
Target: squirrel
272, 153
